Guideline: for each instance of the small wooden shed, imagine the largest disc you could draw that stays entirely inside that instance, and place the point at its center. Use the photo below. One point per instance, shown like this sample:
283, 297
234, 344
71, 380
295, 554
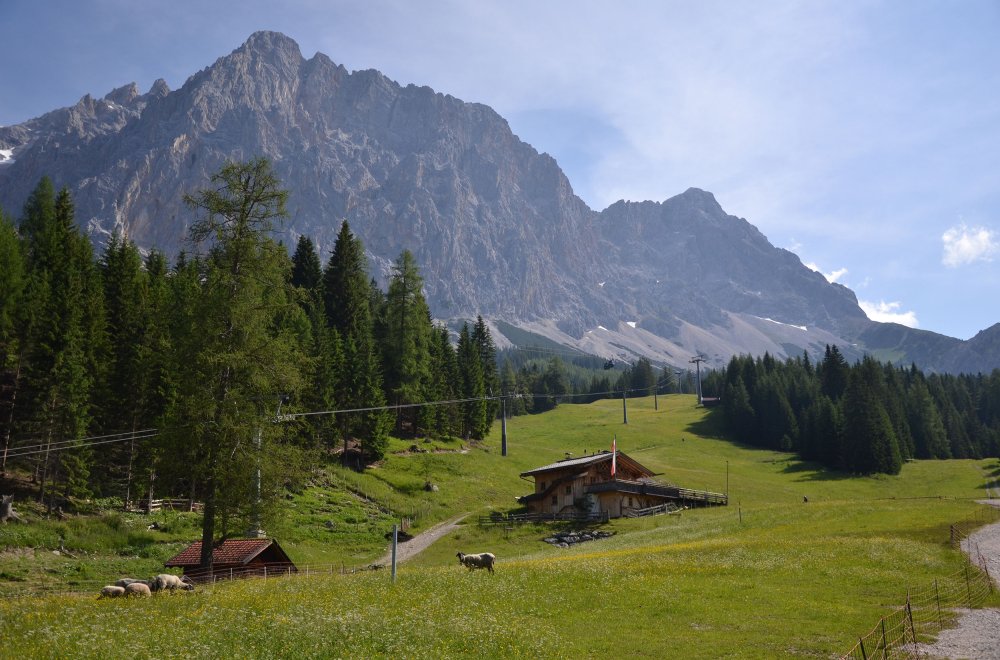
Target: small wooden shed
234, 558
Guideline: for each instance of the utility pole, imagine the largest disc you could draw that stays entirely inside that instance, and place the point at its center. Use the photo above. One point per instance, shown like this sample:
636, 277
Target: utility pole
624, 407
503, 426
257, 530
697, 360
678, 373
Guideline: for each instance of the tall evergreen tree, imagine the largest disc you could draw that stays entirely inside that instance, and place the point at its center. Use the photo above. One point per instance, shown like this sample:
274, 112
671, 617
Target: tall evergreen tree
12, 282
406, 348
470, 373
833, 373
240, 360
487, 350
870, 444
65, 336
346, 293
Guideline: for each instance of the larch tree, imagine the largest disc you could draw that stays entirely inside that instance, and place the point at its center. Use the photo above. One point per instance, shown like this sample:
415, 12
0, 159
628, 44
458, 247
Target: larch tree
241, 356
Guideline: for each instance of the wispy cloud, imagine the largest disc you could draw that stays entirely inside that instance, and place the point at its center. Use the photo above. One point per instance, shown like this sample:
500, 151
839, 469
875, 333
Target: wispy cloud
830, 277
884, 312
965, 245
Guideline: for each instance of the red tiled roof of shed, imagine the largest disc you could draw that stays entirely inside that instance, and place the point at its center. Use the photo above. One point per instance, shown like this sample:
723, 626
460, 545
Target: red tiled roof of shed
230, 551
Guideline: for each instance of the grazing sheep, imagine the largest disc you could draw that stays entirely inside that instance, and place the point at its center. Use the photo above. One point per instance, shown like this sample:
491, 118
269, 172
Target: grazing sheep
124, 582
138, 589
481, 560
112, 591
171, 582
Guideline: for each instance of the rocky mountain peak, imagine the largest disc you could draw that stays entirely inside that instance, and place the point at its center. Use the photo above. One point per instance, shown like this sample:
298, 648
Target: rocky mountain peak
124, 95
495, 225
159, 89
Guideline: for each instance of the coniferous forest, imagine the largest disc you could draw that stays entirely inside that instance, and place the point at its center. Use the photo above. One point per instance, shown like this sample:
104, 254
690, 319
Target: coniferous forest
864, 418
125, 374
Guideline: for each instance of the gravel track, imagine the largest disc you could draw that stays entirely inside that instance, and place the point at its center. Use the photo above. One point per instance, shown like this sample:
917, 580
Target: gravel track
420, 542
977, 635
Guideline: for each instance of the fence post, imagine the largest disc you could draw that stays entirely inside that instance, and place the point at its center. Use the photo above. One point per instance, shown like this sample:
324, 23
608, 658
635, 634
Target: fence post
885, 648
937, 597
861, 643
265, 573
909, 613
968, 585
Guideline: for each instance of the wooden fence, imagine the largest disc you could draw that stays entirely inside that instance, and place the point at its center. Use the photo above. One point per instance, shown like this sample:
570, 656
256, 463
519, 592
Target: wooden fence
926, 611
657, 510
151, 506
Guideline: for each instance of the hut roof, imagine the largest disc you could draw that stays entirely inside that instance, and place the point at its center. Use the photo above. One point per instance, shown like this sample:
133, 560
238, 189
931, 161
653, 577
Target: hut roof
623, 459
231, 551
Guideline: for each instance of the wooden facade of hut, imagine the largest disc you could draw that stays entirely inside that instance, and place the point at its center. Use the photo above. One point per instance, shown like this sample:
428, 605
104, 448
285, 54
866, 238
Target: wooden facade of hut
586, 485
234, 558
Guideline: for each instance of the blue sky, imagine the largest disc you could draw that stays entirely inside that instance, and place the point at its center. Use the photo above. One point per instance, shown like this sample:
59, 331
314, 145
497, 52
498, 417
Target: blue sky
863, 136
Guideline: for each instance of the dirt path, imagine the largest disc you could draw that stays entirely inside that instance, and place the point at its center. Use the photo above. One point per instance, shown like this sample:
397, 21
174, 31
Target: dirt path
978, 632
420, 542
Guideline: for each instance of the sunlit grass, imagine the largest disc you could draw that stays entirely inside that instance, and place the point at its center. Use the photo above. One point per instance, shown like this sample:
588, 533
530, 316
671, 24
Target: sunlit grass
768, 576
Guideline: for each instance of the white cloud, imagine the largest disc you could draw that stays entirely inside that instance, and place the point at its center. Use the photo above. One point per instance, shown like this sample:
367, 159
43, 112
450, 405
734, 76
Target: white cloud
965, 245
884, 312
830, 277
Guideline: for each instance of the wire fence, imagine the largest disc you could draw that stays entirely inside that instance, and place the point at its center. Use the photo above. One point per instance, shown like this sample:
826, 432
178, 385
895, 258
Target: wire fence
929, 610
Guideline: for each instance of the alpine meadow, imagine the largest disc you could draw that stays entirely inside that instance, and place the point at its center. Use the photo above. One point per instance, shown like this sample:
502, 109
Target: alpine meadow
288, 353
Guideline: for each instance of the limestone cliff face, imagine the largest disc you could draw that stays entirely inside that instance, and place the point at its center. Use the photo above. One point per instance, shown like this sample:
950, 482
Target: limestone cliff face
494, 225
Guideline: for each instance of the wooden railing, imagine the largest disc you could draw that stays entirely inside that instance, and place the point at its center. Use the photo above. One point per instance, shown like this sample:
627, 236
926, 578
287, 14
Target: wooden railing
659, 509
150, 506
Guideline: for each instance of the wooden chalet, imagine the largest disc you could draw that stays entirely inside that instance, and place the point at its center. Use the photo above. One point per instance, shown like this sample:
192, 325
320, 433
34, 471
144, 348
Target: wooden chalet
234, 558
586, 485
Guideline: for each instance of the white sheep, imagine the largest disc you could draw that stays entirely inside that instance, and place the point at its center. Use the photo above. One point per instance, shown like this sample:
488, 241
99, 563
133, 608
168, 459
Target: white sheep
124, 582
112, 591
171, 582
481, 560
138, 589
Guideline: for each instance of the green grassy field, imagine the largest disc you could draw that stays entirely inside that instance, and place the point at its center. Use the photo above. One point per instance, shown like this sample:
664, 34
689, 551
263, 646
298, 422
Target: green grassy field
768, 576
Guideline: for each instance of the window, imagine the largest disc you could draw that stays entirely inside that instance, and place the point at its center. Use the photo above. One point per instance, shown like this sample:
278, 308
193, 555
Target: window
555, 500
541, 486
569, 489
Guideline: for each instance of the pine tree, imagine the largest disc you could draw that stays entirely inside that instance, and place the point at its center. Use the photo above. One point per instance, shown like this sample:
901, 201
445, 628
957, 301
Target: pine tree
487, 350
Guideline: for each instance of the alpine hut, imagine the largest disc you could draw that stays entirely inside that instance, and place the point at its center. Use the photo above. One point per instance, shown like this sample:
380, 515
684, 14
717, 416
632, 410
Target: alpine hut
610, 484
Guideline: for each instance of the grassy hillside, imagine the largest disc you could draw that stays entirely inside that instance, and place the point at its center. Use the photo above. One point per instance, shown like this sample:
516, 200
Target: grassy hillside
768, 576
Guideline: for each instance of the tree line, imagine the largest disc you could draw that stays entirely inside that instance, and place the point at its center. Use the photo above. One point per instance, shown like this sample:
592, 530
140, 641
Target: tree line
864, 418
123, 374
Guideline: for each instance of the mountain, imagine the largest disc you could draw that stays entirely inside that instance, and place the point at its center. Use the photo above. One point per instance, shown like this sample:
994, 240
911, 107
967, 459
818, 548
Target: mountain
494, 224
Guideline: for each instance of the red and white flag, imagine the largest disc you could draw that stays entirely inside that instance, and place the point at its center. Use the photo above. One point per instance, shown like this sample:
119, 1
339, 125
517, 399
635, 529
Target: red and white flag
614, 455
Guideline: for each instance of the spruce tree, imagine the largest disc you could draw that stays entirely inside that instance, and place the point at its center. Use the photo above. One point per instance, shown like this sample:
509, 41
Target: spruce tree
870, 444
487, 350
470, 372
64, 339
406, 347
347, 298
12, 282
